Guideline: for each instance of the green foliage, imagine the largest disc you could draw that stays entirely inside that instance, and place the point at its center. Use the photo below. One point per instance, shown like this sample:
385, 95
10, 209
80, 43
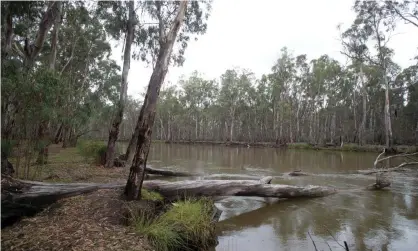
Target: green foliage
7, 147
186, 225
151, 195
92, 150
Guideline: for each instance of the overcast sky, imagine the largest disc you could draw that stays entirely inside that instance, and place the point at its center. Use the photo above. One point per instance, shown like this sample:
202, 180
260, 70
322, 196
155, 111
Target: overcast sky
249, 34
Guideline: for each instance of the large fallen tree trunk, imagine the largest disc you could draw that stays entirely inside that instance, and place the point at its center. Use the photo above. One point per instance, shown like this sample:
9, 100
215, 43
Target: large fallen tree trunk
24, 198
193, 188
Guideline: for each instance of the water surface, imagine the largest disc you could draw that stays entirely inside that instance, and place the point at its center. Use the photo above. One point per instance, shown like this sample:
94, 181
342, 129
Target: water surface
366, 220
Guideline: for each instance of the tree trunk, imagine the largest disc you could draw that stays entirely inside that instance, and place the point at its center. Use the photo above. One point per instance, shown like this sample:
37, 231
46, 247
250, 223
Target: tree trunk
297, 124
169, 129
114, 131
130, 150
72, 139
58, 134
8, 33
388, 125
371, 125
333, 126
65, 136
231, 129
362, 129
147, 113
44, 130
311, 117
416, 135
355, 113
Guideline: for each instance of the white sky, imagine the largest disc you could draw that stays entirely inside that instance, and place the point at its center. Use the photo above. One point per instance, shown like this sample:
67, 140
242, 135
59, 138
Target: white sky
249, 34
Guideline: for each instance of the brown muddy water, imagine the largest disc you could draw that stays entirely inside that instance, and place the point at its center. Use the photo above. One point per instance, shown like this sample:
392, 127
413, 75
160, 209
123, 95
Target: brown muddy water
366, 220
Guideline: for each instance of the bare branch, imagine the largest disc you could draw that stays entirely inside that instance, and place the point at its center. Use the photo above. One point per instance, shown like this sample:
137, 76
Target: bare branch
378, 157
18, 50
71, 57
334, 237
397, 156
404, 17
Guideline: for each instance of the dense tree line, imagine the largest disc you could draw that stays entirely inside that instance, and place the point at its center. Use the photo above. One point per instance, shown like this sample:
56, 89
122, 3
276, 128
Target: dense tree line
370, 100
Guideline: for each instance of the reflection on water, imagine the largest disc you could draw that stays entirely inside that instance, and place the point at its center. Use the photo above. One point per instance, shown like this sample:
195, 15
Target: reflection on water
378, 220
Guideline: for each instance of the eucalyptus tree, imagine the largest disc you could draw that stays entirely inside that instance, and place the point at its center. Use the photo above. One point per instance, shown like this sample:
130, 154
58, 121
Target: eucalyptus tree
170, 17
283, 73
151, 41
23, 44
126, 20
52, 83
377, 25
197, 95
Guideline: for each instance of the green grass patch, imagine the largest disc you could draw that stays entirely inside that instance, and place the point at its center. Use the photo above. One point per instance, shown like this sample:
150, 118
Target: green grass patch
150, 195
187, 225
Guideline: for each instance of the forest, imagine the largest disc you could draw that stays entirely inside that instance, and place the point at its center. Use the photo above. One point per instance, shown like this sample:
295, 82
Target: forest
59, 86
317, 101
369, 100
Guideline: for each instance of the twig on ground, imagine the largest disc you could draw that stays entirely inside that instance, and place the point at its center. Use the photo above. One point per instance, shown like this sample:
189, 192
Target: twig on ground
328, 245
346, 246
312, 241
334, 237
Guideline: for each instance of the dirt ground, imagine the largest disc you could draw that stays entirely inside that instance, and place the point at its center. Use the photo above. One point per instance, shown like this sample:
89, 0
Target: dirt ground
86, 222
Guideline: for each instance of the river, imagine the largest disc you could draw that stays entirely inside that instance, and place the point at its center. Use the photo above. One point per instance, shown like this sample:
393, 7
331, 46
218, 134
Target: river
366, 220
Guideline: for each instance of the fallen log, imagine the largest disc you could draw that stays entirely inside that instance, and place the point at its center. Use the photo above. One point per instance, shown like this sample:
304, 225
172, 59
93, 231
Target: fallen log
171, 173
193, 188
24, 198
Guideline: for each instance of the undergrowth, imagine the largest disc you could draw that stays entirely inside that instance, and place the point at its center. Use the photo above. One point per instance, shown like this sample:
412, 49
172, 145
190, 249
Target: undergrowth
150, 195
186, 225
92, 150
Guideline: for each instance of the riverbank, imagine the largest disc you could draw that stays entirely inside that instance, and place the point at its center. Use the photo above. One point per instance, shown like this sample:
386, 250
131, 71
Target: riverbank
304, 146
103, 220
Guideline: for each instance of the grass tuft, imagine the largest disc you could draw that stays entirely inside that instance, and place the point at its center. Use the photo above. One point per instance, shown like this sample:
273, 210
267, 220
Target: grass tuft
150, 195
187, 225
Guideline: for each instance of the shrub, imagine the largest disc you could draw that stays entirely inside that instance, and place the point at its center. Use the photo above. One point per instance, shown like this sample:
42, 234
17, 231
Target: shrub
150, 195
7, 148
93, 150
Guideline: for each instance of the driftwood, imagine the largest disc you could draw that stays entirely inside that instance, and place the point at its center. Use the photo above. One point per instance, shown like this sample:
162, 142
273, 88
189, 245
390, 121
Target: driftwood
192, 188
